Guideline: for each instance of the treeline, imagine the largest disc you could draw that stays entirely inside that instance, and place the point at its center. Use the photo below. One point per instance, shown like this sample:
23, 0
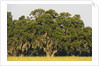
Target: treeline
47, 33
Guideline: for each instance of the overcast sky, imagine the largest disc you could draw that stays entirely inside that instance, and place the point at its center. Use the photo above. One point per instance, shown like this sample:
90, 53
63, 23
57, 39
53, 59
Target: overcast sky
85, 10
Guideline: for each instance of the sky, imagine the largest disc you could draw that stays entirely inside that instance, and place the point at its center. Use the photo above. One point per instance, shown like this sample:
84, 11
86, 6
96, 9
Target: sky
85, 10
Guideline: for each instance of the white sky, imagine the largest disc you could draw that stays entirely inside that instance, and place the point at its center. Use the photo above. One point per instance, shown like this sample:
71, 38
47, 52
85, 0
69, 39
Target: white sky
85, 10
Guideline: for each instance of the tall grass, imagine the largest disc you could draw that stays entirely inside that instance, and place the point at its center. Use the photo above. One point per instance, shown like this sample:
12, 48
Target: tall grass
59, 58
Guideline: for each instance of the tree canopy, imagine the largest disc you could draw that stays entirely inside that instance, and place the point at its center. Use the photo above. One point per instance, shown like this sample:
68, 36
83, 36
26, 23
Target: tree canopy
48, 33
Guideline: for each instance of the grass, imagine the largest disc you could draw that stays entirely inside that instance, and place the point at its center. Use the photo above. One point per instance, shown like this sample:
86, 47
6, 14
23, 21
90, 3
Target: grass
37, 58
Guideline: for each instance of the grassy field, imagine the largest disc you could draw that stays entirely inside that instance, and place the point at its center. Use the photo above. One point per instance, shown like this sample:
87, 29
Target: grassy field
63, 58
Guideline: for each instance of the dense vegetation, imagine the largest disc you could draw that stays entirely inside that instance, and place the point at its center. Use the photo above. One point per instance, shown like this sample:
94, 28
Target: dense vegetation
47, 33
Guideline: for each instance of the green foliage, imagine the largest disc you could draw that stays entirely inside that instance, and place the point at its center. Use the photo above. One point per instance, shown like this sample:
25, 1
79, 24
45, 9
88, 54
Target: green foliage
9, 16
45, 19
22, 17
52, 13
37, 12
63, 14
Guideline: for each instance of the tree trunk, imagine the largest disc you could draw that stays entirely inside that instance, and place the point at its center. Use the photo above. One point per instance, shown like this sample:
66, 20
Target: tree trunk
53, 53
21, 55
47, 54
21, 44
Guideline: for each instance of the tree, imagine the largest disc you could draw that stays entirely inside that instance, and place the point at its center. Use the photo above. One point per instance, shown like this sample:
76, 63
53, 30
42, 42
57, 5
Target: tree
10, 27
49, 46
9, 16
48, 34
